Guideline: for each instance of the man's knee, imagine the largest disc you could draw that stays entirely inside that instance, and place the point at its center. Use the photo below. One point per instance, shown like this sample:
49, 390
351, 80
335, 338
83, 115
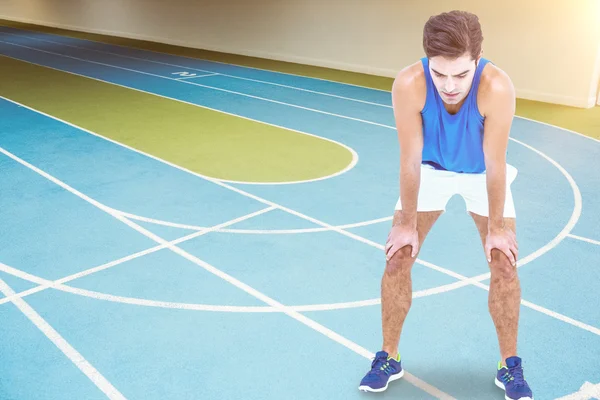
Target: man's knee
401, 261
501, 266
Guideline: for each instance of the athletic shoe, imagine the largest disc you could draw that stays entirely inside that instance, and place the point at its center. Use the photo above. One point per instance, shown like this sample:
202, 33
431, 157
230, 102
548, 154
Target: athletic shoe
384, 369
511, 380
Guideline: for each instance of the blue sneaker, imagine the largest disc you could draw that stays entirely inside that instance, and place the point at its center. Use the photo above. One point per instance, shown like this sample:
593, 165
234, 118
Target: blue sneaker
511, 380
384, 369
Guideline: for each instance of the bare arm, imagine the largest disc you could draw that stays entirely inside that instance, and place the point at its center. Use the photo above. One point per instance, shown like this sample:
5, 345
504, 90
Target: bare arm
407, 102
500, 109
499, 105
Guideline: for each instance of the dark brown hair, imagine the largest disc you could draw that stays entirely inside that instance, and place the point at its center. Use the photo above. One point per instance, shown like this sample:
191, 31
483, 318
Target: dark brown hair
452, 34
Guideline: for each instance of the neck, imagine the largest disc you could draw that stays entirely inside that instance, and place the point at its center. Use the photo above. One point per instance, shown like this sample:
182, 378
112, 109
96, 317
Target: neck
454, 108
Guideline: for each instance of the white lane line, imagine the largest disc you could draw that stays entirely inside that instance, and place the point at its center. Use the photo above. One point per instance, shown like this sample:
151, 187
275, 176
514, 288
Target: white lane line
584, 239
559, 127
252, 231
561, 317
204, 86
59, 283
76, 358
45, 284
228, 278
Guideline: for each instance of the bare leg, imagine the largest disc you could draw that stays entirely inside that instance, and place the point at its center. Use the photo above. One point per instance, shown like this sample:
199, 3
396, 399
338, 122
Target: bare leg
396, 284
504, 300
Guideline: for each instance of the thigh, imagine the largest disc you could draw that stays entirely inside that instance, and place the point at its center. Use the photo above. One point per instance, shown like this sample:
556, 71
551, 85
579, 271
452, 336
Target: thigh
425, 221
481, 222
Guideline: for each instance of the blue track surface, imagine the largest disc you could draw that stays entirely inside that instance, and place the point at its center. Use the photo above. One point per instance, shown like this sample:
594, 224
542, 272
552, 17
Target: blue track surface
197, 322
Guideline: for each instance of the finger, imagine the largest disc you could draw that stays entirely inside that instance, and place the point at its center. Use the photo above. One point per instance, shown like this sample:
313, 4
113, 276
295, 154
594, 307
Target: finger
513, 258
391, 252
388, 244
515, 252
488, 253
509, 254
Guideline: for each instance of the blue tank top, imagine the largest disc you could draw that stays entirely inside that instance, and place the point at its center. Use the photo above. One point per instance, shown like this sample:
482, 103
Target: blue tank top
453, 142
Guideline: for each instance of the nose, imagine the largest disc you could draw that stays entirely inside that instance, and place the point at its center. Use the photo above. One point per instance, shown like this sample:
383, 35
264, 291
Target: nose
449, 85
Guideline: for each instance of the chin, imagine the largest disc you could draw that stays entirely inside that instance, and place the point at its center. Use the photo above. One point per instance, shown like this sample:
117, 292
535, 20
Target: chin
452, 101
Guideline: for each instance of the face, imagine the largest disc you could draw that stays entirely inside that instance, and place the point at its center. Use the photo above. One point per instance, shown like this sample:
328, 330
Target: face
453, 77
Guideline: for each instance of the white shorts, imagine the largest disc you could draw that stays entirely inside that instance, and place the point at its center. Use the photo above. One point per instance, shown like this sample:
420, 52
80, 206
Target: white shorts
438, 186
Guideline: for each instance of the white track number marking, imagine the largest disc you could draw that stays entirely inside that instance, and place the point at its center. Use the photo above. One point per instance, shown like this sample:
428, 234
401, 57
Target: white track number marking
184, 74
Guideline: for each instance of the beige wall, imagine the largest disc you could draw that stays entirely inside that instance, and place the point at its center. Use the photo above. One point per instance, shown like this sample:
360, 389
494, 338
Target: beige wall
550, 48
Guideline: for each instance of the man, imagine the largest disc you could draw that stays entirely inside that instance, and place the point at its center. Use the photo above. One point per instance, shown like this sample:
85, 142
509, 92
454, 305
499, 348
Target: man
453, 112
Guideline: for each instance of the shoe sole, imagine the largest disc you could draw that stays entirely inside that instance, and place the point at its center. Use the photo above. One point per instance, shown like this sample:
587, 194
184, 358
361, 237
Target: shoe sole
392, 378
501, 386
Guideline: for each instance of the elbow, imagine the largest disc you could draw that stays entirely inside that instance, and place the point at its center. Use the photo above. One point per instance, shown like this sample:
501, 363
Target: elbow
495, 161
411, 164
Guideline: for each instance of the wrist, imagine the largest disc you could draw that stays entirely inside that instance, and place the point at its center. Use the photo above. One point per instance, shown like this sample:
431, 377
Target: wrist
408, 220
495, 224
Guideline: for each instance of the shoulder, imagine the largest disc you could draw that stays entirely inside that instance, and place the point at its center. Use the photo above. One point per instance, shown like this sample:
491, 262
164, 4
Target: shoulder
410, 86
496, 91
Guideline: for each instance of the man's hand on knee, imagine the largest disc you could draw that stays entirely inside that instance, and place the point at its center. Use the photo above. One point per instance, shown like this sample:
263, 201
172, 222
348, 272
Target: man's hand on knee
402, 235
501, 267
505, 240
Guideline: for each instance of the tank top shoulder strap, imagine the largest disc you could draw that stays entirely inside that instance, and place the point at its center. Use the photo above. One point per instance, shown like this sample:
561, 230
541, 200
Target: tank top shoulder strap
478, 72
430, 87
475, 86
